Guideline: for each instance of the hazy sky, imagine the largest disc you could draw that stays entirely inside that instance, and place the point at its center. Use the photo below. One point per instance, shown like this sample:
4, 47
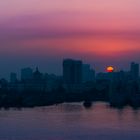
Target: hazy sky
43, 32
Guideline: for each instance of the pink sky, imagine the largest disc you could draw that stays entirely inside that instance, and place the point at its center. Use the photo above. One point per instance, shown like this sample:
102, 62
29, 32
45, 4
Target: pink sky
84, 29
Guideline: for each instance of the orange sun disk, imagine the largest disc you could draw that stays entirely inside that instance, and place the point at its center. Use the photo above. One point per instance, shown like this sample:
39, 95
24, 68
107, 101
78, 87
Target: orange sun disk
110, 69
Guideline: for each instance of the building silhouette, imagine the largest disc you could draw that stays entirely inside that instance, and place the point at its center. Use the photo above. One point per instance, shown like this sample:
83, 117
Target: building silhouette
13, 77
134, 71
88, 74
26, 73
36, 83
72, 71
119, 88
37, 75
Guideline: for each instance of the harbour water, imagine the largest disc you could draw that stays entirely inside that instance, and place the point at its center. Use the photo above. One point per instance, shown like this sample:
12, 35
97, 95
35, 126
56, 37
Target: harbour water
70, 122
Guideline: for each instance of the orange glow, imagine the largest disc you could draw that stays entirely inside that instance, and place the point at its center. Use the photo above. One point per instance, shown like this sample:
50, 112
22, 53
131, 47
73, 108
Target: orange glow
110, 69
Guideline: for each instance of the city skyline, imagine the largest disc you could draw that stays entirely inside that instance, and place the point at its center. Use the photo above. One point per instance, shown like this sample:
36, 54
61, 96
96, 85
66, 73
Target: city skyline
73, 62
79, 82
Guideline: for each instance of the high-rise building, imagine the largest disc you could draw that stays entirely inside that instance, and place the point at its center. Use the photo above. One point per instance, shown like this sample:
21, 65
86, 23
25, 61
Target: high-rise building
26, 73
134, 70
72, 71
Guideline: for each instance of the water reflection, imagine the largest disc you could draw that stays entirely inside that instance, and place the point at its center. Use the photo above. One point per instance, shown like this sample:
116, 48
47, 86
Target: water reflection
70, 122
71, 107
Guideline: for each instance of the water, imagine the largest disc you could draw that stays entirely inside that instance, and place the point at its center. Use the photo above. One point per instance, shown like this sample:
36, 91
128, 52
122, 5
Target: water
70, 122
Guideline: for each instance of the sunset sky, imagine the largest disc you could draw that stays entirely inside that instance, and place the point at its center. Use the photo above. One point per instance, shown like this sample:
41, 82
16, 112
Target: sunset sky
43, 32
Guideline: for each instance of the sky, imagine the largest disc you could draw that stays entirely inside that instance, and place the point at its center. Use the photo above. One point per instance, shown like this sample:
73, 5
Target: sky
43, 33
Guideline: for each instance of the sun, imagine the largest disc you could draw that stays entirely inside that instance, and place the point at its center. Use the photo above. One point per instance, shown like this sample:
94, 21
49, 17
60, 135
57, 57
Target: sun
109, 69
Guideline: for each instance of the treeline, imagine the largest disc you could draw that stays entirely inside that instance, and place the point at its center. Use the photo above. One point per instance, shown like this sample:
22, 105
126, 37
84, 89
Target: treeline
30, 98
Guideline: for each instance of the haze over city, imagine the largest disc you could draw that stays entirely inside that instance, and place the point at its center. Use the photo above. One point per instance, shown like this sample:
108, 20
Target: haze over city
42, 33
69, 69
